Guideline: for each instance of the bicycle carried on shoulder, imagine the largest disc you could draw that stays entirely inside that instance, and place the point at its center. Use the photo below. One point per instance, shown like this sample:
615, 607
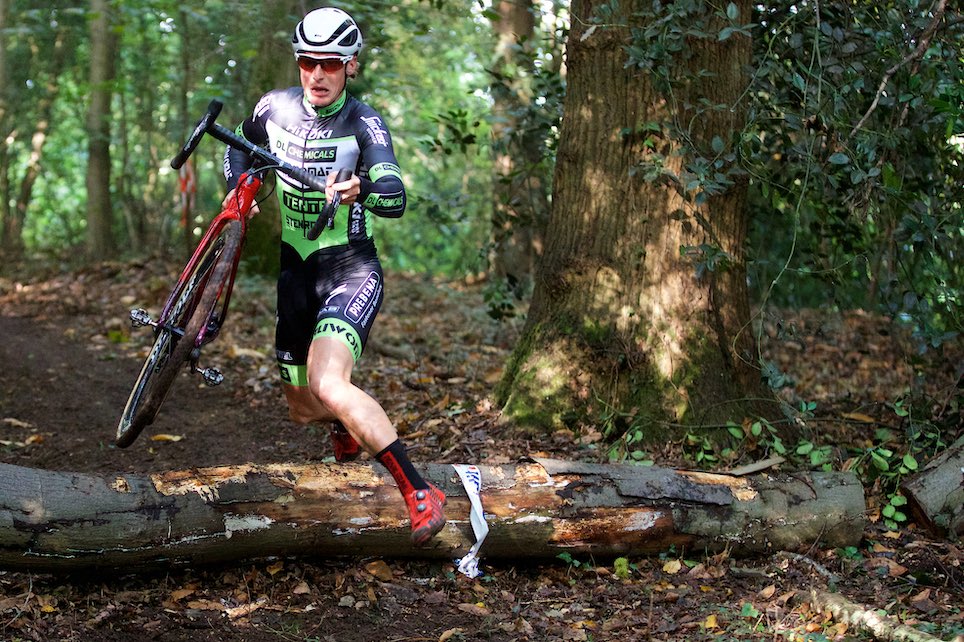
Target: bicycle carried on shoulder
196, 309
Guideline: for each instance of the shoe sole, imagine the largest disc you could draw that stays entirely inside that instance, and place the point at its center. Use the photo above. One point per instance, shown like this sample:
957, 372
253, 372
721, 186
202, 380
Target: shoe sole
427, 532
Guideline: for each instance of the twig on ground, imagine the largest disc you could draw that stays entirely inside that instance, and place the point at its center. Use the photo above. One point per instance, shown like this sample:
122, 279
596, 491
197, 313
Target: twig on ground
806, 561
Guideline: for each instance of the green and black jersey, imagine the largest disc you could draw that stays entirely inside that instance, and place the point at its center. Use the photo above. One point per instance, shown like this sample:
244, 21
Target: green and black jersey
347, 133
333, 286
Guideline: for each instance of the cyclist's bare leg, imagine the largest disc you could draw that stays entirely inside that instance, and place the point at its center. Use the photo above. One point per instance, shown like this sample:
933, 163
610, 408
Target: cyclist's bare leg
329, 367
330, 395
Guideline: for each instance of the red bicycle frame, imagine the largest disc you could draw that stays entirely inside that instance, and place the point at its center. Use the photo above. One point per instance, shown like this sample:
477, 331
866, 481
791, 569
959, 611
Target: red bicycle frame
238, 209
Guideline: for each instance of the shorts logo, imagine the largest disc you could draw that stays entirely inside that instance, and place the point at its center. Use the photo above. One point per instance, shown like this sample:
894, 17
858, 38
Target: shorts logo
338, 329
364, 298
339, 290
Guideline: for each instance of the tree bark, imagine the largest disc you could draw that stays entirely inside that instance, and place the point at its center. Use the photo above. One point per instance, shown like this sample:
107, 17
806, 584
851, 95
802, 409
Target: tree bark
41, 128
936, 494
640, 306
6, 233
100, 238
58, 521
520, 206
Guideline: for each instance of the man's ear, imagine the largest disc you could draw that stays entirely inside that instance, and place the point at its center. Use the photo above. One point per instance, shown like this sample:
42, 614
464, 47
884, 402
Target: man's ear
352, 67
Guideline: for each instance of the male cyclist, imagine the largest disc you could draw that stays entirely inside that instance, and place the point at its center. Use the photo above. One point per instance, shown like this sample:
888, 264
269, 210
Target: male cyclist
330, 289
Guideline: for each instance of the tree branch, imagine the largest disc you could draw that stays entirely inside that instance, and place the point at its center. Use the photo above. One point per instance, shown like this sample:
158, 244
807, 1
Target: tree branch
918, 53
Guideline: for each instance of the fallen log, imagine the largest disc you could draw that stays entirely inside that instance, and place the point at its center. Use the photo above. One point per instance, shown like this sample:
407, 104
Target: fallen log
935, 495
62, 521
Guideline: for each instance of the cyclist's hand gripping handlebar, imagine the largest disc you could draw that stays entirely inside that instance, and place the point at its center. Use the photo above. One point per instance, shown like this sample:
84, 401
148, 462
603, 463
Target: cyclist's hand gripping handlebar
327, 216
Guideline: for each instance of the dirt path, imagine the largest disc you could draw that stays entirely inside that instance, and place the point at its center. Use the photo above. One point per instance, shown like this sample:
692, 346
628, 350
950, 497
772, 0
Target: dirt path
61, 395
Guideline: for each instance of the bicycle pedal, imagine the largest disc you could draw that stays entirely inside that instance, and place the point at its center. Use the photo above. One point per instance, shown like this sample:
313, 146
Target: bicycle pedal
212, 376
140, 317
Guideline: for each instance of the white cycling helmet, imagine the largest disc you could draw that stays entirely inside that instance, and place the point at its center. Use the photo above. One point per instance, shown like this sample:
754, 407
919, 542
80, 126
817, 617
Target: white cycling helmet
327, 32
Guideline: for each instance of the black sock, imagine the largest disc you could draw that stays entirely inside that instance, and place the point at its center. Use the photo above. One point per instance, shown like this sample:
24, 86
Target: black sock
395, 459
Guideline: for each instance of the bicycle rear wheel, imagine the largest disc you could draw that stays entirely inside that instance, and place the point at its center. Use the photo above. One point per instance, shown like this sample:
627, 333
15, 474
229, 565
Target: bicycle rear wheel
177, 335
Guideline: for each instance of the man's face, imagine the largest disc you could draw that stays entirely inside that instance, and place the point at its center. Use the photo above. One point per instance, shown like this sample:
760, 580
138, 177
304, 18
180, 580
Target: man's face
323, 79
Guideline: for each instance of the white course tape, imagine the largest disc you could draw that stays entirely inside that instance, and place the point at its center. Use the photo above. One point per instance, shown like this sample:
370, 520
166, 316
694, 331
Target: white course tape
471, 478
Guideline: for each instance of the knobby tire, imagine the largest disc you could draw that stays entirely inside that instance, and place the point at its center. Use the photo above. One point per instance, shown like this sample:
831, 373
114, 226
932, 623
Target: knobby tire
190, 313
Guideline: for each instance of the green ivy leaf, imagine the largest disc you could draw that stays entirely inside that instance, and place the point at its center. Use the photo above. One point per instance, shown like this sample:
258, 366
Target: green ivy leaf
879, 462
839, 159
749, 611
910, 462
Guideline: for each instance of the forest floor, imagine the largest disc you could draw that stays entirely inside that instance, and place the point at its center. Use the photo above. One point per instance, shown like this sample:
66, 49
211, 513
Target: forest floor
68, 358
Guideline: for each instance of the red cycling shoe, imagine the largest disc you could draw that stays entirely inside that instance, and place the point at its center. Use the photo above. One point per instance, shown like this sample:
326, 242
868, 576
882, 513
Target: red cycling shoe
344, 445
425, 508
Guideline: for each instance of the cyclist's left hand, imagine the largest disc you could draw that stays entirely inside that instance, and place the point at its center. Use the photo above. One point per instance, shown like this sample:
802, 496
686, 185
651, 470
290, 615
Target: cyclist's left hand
349, 189
230, 197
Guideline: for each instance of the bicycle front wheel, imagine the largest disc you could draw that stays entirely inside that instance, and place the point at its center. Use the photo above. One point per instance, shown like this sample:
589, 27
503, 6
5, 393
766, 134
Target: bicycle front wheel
177, 335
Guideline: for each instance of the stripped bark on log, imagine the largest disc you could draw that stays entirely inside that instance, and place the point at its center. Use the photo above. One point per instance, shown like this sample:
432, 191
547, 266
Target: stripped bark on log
52, 521
936, 494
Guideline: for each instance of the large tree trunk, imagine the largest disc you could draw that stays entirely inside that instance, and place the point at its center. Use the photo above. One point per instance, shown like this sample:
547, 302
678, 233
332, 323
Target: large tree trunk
9, 239
640, 306
53, 521
103, 39
44, 113
520, 207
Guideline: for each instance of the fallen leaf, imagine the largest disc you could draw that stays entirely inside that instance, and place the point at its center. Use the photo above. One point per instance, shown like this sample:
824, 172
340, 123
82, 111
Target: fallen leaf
893, 568
301, 589
446, 635
474, 609
768, 592
165, 437
710, 622
245, 609
672, 567
180, 594
236, 351
16, 423
380, 570
858, 416
205, 605
275, 568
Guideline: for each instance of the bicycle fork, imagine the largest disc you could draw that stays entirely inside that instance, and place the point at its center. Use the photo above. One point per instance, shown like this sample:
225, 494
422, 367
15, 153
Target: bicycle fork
211, 376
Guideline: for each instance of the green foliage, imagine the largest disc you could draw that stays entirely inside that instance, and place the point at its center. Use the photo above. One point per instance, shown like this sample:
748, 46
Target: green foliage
856, 187
622, 568
890, 459
570, 560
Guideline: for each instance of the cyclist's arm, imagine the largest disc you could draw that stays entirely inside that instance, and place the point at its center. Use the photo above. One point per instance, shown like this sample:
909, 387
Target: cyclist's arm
252, 129
382, 190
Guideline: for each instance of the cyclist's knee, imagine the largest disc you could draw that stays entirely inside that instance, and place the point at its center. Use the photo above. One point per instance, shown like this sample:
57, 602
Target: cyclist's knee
303, 406
330, 391
299, 416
